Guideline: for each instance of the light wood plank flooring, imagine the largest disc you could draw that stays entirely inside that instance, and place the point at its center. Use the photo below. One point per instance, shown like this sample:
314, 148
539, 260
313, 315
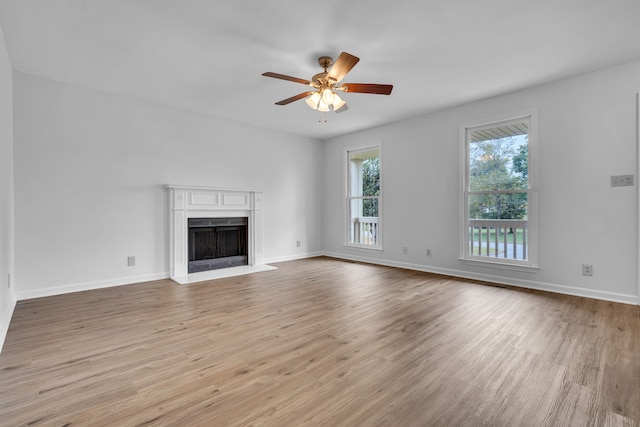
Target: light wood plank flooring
321, 342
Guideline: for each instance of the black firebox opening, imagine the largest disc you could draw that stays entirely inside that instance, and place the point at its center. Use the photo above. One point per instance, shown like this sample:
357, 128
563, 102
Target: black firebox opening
216, 243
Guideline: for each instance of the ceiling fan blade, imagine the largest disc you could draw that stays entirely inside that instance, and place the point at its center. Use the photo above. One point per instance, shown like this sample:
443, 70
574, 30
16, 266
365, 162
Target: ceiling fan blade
294, 98
367, 88
288, 78
342, 66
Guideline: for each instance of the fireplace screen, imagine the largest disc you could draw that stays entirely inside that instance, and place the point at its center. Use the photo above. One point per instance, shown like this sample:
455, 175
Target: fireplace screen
216, 243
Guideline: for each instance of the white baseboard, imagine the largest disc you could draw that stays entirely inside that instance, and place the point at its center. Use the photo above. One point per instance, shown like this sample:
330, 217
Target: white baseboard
6, 321
87, 286
293, 257
529, 284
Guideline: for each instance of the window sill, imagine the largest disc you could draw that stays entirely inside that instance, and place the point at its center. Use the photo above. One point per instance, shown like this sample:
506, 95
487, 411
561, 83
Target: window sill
501, 265
363, 247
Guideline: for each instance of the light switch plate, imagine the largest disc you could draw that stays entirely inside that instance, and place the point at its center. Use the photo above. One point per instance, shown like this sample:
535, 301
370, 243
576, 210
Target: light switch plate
621, 180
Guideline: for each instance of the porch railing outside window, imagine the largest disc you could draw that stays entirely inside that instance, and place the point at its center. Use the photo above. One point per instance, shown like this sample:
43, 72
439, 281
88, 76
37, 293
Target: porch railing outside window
499, 238
364, 231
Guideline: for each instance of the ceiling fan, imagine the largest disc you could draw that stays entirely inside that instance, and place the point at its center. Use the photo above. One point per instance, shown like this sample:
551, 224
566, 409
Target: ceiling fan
324, 97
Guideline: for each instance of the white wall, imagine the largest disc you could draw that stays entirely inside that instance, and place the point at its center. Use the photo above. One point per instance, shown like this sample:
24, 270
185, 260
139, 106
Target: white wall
7, 297
587, 132
90, 171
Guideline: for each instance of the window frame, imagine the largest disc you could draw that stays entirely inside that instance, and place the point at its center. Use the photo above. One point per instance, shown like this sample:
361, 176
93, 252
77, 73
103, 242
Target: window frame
531, 263
347, 197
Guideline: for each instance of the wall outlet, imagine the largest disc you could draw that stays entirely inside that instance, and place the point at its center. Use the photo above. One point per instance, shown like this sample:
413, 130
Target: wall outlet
587, 270
297, 243
131, 261
427, 252
621, 180
405, 250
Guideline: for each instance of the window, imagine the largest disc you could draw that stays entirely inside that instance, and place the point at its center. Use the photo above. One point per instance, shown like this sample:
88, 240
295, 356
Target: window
499, 215
363, 198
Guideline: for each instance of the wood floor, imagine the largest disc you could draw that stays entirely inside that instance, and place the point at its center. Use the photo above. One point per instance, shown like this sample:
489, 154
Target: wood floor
321, 342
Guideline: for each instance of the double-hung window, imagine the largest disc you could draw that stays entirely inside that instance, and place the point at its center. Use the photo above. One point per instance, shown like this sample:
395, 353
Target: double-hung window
499, 221
363, 200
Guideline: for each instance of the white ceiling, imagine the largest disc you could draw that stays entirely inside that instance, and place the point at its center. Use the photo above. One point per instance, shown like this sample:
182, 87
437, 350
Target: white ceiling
208, 55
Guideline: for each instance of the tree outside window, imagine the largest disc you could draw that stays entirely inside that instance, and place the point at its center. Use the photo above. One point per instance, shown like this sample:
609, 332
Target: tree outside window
495, 165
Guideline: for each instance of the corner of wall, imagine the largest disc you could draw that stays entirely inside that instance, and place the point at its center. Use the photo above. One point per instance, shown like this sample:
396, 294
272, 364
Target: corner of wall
6, 320
7, 293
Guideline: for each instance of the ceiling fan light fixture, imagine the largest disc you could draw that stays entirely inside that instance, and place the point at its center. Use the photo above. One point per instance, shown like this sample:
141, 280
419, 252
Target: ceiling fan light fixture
322, 107
338, 102
327, 96
313, 100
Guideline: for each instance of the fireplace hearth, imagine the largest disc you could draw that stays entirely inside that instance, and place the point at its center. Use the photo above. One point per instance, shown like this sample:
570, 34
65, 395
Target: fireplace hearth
216, 243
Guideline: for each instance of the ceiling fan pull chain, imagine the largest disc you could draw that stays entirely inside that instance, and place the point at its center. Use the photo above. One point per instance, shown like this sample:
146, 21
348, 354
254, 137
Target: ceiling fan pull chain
322, 117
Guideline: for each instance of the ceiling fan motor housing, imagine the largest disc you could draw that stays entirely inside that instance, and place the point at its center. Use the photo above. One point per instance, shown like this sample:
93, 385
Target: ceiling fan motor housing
325, 62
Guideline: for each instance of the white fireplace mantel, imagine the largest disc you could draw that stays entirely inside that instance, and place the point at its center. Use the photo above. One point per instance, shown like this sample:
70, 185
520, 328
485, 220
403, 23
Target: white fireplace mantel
210, 202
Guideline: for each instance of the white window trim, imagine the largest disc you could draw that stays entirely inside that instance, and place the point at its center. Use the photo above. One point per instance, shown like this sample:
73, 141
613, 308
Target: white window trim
531, 263
345, 214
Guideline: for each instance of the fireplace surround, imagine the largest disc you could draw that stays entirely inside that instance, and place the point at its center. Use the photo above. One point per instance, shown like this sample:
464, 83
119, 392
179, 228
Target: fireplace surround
199, 203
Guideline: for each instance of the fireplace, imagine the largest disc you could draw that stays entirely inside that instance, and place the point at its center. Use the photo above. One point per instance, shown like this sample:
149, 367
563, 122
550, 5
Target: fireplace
217, 243
230, 219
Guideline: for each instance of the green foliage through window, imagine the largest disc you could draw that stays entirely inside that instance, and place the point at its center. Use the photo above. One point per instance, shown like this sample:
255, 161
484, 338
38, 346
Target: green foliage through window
370, 186
496, 165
